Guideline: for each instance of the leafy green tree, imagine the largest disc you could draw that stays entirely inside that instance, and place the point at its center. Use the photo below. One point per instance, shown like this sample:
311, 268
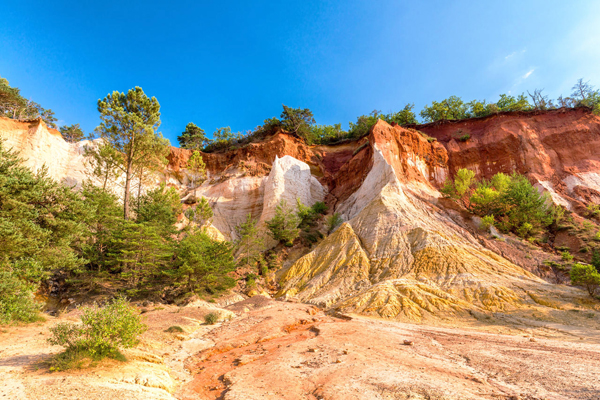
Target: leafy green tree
11, 101
249, 243
521, 203
512, 103
48, 117
283, 227
204, 263
104, 218
140, 253
587, 276
323, 134
129, 124
363, 123
201, 213
405, 116
41, 229
193, 138
104, 164
297, 120
160, 206
197, 167
451, 108
72, 133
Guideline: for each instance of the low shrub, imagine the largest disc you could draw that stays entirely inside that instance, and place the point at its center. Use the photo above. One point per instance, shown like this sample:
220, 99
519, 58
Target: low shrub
102, 333
566, 256
333, 221
587, 276
174, 329
211, 318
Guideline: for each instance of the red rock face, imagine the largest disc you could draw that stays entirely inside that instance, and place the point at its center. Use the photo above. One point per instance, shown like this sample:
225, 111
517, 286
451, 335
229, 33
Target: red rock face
262, 152
543, 145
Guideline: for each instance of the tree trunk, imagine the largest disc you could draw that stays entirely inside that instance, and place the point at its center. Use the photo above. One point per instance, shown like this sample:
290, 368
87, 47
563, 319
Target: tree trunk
126, 195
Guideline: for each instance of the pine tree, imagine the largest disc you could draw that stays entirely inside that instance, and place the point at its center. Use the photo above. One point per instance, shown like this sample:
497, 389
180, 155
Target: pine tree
204, 263
129, 124
249, 243
283, 227
197, 167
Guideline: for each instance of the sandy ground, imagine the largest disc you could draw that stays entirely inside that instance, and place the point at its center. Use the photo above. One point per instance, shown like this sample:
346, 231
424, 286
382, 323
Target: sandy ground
283, 350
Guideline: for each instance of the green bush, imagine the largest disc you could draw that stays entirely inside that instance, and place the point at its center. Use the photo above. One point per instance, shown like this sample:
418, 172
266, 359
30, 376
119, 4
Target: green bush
16, 294
487, 221
333, 221
566, 256
174, 329
211, 318
283, 227
102, 333
587, 276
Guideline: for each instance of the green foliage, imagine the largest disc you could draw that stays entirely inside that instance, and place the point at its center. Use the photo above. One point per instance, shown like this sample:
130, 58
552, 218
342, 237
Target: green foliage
211, 318
363, 124
18, 281
487, 221
515, 204
566, 256
140, 253
297, 121
520, 204
39, 218
72, 133
201, 213
333, 221
103, 220
324, 134
596, 260
129, 124
464, 138
451, 108
249, 243
406, 116
197, 167
587, 276
160, 207
102, 332
104, 164
174, 329
204, 264
13, 105
463, 181
193, 138
283, 227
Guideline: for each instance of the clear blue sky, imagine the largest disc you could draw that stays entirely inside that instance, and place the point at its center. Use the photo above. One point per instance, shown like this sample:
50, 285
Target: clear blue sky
233, 63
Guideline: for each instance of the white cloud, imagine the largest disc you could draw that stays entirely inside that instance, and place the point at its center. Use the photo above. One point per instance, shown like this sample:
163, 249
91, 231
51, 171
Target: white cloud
510, 55
528, 74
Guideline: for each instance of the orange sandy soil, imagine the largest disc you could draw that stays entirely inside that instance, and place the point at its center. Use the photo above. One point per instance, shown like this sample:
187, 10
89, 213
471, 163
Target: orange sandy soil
285, 350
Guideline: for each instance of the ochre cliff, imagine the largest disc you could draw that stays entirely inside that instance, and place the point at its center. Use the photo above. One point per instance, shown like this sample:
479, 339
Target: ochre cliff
400, 253
560, 149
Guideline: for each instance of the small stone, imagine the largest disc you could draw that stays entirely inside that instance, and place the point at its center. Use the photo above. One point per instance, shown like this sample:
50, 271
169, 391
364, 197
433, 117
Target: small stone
408, 342
532, 339
338, 361
313, 350
345, 351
